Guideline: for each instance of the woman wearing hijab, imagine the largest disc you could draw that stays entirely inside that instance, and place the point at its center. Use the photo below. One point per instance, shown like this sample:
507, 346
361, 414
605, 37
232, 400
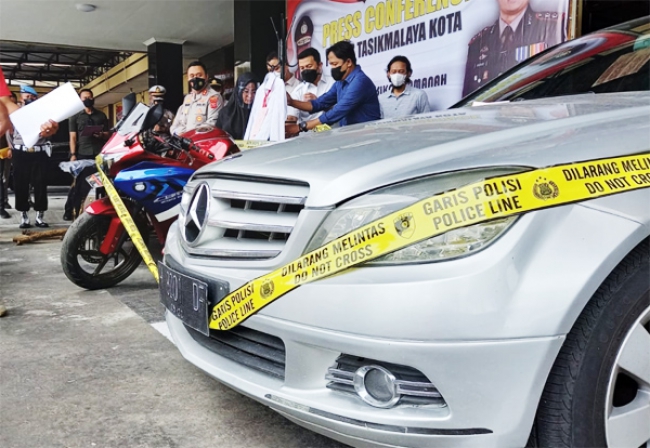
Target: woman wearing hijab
233, 118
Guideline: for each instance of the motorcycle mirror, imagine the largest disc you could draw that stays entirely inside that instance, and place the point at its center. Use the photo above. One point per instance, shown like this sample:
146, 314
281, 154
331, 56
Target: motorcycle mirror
128, 103
154, 114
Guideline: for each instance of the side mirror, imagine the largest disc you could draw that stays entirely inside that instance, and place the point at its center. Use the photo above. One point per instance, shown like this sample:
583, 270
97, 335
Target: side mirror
128, 103
154, 114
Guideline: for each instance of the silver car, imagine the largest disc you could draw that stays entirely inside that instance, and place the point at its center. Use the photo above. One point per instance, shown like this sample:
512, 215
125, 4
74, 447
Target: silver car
532, 329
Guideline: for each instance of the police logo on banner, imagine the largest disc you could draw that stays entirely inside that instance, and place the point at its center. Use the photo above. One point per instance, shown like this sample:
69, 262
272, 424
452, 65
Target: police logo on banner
405, 225
545, 189
267, 289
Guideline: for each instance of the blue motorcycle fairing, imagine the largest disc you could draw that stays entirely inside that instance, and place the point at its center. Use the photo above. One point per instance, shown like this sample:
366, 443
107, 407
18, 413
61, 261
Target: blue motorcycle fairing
158, 188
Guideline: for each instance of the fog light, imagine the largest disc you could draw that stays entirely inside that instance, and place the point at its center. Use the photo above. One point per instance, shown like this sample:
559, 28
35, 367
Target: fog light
376, 386
139, 187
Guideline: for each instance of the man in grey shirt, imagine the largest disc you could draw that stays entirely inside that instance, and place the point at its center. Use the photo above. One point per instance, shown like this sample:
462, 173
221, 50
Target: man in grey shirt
402, 99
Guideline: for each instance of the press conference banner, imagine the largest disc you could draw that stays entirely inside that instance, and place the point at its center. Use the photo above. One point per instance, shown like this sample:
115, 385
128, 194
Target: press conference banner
455, 46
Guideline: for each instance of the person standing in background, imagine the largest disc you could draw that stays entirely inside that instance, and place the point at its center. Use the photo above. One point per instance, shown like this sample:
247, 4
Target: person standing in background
314, 84
5, 171
234, 117
30, 164
352, 99
274, 65
402, 99
201, 105
83, 147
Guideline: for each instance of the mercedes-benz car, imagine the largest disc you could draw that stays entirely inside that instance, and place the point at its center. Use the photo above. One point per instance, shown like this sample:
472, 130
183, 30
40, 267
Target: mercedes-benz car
534, 329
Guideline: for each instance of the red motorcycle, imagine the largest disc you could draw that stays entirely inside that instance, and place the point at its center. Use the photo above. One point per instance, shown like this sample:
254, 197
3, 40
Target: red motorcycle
149, 172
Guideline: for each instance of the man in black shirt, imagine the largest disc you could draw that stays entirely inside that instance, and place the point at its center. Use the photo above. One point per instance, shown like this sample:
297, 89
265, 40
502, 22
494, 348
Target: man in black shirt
84, 147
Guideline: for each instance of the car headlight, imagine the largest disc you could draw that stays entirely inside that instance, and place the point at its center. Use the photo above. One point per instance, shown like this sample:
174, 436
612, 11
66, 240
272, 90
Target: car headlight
371, 206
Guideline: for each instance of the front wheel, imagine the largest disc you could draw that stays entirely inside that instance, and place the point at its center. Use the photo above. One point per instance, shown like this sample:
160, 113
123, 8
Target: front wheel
598, 392
85, 265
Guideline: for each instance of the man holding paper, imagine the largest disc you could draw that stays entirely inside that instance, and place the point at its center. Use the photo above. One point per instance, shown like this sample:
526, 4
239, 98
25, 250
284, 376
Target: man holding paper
88, 133
30, 164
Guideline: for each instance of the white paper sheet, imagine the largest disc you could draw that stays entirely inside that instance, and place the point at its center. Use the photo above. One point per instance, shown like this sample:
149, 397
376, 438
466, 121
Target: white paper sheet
58, 105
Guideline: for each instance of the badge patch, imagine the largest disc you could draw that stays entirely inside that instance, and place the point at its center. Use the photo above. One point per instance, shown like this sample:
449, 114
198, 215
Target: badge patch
405, 225
267, 289
215, 102
199, 118
545, 189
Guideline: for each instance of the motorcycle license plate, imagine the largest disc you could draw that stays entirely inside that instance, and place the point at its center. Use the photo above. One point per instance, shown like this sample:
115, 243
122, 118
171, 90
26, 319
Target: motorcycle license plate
185, 297
94, 181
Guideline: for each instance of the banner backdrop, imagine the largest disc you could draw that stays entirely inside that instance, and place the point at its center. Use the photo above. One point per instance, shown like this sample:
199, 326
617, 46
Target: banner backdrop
454, 46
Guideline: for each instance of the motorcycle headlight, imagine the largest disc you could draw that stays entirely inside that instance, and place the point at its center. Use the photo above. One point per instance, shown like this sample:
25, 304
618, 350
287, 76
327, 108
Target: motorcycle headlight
371, 206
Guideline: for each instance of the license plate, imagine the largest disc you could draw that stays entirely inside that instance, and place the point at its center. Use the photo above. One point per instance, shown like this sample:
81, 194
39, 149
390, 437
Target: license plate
185, 297
94, 181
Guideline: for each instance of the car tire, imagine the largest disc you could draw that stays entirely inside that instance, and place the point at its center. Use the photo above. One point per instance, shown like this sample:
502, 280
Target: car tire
598, 391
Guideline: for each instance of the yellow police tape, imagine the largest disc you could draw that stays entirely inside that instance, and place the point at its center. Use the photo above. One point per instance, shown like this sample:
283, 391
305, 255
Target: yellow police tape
126, 219
490, 199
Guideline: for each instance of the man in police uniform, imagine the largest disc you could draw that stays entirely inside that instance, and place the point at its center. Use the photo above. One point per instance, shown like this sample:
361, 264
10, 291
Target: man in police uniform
30, 166
518, 34
157, 96
201, 105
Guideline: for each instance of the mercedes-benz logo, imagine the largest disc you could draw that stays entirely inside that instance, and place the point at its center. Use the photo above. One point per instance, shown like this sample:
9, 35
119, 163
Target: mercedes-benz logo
197, 214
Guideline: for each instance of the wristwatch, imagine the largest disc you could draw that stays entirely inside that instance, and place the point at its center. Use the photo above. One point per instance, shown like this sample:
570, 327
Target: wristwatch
303, 126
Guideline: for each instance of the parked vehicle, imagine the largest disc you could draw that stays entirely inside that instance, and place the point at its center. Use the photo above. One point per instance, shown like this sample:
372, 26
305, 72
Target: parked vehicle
532, 330
149, 173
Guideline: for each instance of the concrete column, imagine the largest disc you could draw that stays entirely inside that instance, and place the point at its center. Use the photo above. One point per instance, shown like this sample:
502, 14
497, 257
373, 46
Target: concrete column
254, 35
166, 68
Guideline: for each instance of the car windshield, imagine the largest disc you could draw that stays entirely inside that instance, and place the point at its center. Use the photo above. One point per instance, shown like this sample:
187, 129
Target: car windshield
133, 122
611, 60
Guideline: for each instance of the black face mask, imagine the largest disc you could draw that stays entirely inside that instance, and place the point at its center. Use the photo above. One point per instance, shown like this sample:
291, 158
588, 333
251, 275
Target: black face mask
197, 84
28, 101
309, 75
89, 102
337, 73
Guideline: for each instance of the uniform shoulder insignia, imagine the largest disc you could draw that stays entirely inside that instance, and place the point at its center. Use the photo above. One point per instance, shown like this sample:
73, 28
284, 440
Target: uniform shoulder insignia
479, 34
548, 16
215, 101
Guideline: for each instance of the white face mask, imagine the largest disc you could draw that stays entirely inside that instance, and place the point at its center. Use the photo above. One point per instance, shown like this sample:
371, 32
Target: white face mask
397, 79
276, 74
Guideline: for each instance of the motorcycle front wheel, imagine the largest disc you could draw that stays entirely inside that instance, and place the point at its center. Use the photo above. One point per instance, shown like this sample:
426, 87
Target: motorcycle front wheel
85, 265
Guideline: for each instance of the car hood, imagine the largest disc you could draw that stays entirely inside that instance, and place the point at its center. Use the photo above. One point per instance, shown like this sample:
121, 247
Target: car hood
346, 162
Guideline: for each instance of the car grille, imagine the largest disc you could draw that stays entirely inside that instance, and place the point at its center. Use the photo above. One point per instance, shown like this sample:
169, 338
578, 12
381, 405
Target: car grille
415, 388
251, 348
250, 218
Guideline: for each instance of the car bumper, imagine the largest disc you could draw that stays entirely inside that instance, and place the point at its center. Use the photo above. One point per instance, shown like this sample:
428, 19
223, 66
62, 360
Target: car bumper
485, 330
483, 384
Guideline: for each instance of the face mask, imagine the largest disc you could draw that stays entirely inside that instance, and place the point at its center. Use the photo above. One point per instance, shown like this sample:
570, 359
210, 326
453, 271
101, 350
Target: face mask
197, 84
337, 73
89, 102
309, 75
276, 74
397, 79
28, 101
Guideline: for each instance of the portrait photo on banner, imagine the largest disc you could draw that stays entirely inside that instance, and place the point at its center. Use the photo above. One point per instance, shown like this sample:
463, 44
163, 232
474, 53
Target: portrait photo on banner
455, 46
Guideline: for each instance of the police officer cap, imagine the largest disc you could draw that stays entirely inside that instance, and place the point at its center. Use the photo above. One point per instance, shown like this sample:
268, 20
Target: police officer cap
157, 90
216, 82
27, 89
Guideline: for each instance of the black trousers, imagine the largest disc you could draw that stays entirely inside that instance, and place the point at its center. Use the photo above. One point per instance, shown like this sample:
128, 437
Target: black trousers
78, 192
29, 169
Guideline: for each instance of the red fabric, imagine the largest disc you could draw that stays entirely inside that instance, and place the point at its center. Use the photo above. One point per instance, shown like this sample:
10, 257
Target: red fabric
4, 90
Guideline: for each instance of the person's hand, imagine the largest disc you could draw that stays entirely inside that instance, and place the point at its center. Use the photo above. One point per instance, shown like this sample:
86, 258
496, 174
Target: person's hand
291, 130
49, 128
73, 157
9, 154
309, 97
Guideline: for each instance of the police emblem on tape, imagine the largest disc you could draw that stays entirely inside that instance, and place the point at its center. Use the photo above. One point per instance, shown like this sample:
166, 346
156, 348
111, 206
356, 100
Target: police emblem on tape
267, 288
545, 189
405, 225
